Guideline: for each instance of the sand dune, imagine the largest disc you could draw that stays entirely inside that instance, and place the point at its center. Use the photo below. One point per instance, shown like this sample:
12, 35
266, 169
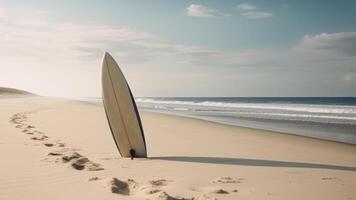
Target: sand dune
60, 149
13, 91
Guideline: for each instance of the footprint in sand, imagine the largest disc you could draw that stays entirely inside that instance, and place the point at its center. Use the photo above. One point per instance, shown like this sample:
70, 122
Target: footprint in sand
76, 160
40, 138
158, 182
85, 163
60, 144
159, 194
220, 191
16, 119
28, 132
48, 144
165, 196
55, 153
153, 191
122, 187
38, 132
227, 179
130, 187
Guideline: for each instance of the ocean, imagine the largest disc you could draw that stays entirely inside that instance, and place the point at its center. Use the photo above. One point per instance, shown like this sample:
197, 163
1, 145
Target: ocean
328, 118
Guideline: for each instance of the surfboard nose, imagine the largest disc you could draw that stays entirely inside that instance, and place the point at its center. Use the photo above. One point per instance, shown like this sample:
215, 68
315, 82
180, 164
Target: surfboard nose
106, 56
107, 59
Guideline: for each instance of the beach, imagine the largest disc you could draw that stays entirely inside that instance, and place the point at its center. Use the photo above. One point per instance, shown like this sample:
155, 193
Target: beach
54, 148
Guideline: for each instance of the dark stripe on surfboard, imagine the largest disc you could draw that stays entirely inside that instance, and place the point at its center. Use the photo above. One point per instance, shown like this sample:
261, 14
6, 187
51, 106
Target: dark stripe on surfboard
138, 117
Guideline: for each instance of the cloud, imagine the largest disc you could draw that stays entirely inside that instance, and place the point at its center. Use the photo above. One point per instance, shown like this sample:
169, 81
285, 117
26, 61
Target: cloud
343, 43
197, 10
246, 7
72, 44
62, 41
257, 15
250, 12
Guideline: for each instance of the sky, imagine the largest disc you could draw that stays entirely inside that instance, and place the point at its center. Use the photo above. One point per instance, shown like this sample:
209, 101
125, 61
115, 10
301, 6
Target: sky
242, 48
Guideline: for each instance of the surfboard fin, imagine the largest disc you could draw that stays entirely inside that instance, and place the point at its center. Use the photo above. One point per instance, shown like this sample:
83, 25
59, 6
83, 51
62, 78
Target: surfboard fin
132, 153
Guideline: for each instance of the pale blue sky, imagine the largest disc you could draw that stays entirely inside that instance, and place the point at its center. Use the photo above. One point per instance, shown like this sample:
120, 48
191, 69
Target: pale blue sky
181, 48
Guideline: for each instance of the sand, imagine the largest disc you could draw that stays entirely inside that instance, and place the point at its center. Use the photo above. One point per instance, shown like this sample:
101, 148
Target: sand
62, 149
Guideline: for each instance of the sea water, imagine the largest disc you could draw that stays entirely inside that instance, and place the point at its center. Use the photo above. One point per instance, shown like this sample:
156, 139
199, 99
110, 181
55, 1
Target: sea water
329, 118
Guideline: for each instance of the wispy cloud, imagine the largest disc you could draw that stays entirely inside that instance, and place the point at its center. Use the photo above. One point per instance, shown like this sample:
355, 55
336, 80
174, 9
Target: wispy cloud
340, 43
251, 12
197, 10
257, 15
246, 6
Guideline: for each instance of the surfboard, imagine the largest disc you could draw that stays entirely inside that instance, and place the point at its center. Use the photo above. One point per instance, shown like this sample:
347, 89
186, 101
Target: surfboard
121, 111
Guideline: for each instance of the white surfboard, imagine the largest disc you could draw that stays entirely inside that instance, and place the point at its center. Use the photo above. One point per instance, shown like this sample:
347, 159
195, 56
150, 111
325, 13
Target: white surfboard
121, 111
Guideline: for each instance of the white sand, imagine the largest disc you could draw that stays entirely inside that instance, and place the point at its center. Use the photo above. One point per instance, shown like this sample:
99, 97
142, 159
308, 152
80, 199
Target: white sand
188, 158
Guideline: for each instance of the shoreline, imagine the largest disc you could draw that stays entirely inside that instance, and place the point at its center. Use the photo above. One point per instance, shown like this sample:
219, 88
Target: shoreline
252, 128
256, 131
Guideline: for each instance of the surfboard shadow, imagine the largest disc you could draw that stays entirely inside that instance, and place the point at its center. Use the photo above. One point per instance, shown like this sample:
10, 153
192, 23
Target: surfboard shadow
252, 162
